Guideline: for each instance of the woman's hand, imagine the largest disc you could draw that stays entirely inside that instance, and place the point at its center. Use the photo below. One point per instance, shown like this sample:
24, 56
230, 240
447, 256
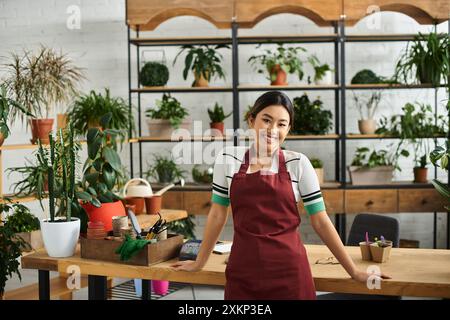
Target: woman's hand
362, 276
187, 265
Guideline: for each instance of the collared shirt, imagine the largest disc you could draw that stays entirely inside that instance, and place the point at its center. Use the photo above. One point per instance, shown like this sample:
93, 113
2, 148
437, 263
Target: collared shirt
305, 183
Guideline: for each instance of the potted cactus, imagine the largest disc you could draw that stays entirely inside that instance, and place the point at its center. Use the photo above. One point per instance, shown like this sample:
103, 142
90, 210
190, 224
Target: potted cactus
61, 231
217, 116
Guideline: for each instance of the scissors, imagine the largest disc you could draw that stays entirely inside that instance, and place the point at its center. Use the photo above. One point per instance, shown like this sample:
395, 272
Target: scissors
159, 226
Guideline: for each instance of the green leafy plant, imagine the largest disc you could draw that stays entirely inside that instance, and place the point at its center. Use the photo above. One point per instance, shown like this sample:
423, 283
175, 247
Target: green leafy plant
103, 169
366, 158
382, 243
154, 74
60, 161
426, 59
6, 108
87, 110
319, 69
40, 81
184, 227
316, 163
164, 169
202, 176
310, 117
367, 76
169, 108
287, 58
217, 114
440, 158
203, 60
11, 246
19, 217
413, 127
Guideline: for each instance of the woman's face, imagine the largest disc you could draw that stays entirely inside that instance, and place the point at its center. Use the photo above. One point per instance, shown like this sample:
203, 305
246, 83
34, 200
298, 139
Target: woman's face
271, 127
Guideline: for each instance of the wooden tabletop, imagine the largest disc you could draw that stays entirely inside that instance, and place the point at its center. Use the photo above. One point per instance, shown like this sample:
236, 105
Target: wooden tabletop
148, 220
414, 272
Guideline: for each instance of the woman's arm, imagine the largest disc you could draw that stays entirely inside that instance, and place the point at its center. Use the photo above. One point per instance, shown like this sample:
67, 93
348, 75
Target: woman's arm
327, 232
217, 217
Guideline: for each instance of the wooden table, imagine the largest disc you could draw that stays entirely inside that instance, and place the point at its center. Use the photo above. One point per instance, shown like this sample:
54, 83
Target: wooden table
414, 272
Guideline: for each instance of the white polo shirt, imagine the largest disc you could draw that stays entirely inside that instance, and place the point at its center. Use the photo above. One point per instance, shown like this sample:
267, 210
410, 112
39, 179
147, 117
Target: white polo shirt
305, 183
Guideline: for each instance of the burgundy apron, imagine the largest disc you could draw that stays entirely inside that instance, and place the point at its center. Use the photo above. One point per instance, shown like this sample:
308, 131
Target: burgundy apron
267, 259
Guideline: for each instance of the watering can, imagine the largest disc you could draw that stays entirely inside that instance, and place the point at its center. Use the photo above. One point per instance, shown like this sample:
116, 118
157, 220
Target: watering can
137, 187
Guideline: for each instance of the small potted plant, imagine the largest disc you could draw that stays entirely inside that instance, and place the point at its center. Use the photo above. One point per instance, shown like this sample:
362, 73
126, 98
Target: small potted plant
168, 115
11, 246
323, 74
87, 110
202, 176
374, 167
364, 246
367, 123
380, 250
102, 175
39, 82
425, 59
154, 74
23, 223
61, 231
165, 170
310, 117
217, 116
279, 63
318, 167
440, 158
204, 61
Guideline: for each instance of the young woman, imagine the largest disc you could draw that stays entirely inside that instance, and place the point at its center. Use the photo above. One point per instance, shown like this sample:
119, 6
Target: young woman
263, 184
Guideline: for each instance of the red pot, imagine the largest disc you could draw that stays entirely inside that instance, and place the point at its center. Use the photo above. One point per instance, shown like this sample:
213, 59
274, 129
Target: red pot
138, 202
281, 79
218, 126
105, 212
40, 129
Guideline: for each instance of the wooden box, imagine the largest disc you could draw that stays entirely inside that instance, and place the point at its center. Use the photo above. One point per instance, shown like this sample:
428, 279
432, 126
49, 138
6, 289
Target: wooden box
153, 253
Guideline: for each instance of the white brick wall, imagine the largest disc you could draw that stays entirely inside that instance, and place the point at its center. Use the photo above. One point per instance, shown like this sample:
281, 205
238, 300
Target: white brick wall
100, 47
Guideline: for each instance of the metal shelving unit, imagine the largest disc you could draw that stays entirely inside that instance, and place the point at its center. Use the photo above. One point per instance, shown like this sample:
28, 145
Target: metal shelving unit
338, 40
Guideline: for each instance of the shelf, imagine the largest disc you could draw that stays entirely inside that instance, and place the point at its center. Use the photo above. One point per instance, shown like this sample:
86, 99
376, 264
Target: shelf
380, 37
193, 138
393, 185
306, 38
258, 87
383, 86
179, 41
305, 137
182, 89
25, 146
18, 199
356, 136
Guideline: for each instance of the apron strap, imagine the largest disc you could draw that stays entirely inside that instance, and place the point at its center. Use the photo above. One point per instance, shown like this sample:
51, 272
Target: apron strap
281, 162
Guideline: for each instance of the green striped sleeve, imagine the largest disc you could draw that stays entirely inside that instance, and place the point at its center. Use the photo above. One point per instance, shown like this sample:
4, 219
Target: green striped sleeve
220, 200
313, 203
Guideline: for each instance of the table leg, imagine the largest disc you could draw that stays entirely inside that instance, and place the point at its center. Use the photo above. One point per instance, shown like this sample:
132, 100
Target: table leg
146, 294
97, 287
44, 285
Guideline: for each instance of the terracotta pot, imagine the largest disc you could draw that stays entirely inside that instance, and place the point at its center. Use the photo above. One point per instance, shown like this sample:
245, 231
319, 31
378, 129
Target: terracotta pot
153, 204
163, 128
105, 212
319, 172
138, 202
40, 129
200, 80
420, 175
281, 76
367, 126
219, 128
2, 139
61, 121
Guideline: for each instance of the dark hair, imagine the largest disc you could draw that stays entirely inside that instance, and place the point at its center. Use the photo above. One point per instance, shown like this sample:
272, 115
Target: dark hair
271, 98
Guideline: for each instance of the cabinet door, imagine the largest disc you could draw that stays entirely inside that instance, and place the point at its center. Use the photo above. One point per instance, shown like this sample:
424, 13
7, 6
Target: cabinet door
173, 200
334, 202
420, 200
197, 202
371, 200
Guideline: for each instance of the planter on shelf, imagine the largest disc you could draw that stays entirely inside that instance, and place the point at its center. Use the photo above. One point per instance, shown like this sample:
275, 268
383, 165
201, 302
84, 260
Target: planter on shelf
326, 80
154, 74
163, 128
2, 139
420, 175
368, 176
320, 174
279, 76
365, 250
217, 128
61, 121
105, 213
200, 80
318, 167
33, 239
137, 202
217, 116
60, 237
367, 126
40, 129
381, 252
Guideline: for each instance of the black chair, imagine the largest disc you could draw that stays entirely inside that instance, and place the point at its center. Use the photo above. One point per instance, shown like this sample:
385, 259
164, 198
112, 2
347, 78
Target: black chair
375, 225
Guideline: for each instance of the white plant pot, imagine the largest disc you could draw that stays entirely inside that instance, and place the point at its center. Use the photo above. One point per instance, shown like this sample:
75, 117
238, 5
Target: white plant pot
60, 238
367, 126
163, 128
326, 80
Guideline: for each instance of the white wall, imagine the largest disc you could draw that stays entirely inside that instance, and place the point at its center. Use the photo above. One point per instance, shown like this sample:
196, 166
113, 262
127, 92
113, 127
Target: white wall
100, 46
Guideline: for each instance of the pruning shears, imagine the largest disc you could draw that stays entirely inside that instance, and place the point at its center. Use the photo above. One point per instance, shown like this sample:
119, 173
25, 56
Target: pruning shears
159, 226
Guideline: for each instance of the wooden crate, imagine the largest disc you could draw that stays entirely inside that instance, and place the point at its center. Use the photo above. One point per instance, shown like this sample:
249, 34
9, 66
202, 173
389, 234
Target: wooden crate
154, 252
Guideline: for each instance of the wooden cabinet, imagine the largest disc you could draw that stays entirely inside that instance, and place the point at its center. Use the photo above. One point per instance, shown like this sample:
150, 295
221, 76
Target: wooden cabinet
420, 200
197, 202
334, 201
376, 200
